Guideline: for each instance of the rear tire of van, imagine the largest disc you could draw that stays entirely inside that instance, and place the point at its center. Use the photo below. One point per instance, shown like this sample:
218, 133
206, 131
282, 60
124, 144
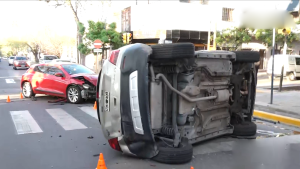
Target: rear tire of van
170, 155
291, 77
172, 51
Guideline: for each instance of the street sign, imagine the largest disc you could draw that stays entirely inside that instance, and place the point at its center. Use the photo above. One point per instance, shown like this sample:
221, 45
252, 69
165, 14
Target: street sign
97, 44
97, 50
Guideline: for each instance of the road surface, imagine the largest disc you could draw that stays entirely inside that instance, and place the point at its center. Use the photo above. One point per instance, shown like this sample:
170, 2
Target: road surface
38, 134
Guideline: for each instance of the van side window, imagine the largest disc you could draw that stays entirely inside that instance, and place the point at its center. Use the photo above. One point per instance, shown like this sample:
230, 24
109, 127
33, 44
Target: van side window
297, 61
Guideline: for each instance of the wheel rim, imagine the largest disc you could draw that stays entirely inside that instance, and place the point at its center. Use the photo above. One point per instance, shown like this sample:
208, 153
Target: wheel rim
73, 95
292, 76
26, 89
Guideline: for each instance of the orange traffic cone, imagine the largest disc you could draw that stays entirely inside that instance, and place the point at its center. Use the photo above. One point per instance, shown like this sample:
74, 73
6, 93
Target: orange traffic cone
101, 162
95, 105
21, 96
8, 99
192, 167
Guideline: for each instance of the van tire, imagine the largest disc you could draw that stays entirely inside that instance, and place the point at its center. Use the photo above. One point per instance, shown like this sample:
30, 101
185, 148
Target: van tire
171, 155
245, 128
173, 51
291, 77
247, 56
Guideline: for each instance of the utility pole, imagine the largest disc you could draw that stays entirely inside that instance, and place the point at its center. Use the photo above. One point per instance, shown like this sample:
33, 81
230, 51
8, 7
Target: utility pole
272, 79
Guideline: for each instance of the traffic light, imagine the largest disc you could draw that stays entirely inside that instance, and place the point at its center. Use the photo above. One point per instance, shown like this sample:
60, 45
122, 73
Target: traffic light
129, 38
285, 31
124, 38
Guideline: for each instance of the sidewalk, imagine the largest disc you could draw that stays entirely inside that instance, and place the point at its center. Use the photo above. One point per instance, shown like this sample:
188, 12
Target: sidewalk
286, 103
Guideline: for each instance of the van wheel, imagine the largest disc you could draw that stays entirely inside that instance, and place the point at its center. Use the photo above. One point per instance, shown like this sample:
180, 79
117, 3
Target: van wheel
173, 51
171, 155
291, 77
245, 128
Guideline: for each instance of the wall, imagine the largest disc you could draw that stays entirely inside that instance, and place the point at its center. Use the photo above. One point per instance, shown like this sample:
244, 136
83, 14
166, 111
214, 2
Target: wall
182, 16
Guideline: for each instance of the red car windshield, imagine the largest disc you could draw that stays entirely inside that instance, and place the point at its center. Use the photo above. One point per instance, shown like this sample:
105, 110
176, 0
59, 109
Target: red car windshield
76, 69
21, 58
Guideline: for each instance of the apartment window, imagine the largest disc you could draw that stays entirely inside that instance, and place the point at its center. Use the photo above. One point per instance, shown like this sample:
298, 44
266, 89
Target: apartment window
227, 14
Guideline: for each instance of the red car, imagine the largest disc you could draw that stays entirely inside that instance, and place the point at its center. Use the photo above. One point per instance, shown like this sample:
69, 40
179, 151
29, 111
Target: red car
72, 81
20, 62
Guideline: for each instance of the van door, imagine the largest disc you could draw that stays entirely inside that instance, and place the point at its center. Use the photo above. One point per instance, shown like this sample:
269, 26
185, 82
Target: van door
297, 66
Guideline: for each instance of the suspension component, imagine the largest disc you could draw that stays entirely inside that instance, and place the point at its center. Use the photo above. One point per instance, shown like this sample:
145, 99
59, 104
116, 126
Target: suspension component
167, 131
170, 69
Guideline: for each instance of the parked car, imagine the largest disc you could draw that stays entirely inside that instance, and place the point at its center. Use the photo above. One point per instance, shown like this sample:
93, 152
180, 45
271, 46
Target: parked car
291, 65
60, 60
20, 62
11, 60
72, 81
47, 58
155, 101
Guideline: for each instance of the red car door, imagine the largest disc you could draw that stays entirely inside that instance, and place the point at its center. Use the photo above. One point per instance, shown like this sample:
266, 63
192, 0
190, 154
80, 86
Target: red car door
56, 85
38, 79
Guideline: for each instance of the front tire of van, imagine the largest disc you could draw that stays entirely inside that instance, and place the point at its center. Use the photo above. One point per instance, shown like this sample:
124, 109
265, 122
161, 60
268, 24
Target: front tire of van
291, 77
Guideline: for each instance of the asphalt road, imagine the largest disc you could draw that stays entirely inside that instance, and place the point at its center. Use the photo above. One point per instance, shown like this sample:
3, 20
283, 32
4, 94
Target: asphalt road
9, 78
38, 134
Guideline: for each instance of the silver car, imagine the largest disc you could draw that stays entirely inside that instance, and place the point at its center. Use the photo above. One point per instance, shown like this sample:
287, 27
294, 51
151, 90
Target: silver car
156, 101
47, 58
11, 60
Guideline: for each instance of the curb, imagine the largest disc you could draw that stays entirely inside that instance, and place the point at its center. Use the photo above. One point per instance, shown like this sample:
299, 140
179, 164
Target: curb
275, 117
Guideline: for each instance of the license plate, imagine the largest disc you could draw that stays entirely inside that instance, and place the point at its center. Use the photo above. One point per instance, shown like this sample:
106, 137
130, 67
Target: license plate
22, 65
106, 101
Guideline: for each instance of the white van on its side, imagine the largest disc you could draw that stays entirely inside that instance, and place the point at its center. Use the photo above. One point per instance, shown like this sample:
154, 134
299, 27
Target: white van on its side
291, 65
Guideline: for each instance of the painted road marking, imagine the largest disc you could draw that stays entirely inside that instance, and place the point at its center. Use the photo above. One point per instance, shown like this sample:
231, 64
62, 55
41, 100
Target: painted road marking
10, 81
10, 77
65, 120
90, 111
24, 122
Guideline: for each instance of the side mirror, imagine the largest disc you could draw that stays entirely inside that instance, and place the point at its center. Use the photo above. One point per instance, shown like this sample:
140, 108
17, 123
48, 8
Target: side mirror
58, 75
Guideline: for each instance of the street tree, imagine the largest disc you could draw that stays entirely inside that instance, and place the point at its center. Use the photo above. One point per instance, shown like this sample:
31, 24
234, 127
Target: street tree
233, 38
75, 6
99, 30
16, 45
266, 37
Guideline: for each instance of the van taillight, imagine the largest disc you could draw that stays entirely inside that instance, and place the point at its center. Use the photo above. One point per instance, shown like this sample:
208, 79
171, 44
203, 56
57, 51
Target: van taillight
114, 57
114, 143
97, 95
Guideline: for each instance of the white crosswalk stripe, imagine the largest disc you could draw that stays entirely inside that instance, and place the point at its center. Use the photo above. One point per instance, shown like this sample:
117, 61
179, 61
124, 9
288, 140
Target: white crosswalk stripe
90, 111
24, 122
65, 120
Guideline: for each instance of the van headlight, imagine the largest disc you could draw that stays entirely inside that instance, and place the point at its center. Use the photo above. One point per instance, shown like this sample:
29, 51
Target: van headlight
86, 86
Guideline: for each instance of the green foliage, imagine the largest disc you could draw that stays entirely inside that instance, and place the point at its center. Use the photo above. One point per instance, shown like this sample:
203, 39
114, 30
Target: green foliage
10, 53
233, 38
16, 45
81, 28
83, 49
266, 36
99, 30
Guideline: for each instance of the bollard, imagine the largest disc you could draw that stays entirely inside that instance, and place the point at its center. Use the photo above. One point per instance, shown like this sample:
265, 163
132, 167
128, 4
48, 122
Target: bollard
281, 78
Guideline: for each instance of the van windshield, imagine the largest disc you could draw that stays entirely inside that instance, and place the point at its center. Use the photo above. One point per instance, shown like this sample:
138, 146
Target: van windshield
12, 58
50, 57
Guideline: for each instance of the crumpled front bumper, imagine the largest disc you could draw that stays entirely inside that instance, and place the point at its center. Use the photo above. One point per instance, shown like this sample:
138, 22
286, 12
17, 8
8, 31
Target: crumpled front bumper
88, 94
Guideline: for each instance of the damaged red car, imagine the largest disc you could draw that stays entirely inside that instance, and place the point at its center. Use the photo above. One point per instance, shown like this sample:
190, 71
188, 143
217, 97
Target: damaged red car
68, 80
